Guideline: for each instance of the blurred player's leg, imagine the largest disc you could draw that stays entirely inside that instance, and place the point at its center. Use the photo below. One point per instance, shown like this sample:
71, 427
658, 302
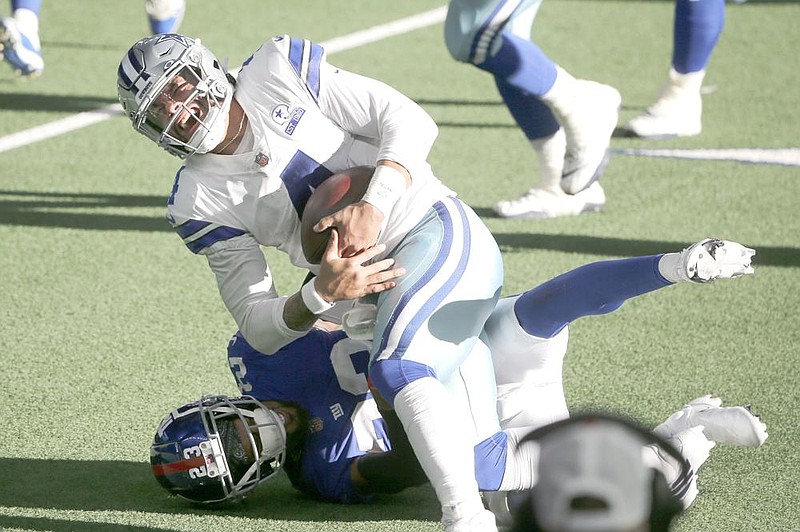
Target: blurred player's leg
165, 16
678, 111
495, 37
19, 38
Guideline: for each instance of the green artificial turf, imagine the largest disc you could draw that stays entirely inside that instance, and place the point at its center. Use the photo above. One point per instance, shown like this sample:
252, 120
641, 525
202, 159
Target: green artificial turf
108, 321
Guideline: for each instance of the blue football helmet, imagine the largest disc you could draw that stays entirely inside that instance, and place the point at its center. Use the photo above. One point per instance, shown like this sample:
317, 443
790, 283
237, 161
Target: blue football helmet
176, 93
218, 448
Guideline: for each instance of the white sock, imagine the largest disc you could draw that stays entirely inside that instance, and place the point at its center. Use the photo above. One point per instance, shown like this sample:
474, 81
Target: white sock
443, 444
28, 23
561, 97
689, 82
669, 267
550, 153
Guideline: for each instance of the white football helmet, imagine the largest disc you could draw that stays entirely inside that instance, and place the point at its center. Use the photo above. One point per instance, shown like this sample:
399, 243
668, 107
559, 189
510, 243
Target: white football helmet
176, 93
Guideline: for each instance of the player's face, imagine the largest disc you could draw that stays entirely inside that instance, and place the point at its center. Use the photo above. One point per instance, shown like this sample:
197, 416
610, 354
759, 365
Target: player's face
289, 414
179, 108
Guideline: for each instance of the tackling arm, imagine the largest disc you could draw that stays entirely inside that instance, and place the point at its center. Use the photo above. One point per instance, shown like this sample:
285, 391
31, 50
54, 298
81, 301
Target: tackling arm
392, 471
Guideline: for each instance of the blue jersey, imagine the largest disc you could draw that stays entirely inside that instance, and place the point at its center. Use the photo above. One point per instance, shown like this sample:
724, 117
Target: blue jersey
325, 373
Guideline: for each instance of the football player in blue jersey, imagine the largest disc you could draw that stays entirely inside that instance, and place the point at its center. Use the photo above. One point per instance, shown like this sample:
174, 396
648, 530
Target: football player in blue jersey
344, 444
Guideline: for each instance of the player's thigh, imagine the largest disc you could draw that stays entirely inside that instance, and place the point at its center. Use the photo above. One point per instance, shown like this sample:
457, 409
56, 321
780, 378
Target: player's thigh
472, 22
453, 278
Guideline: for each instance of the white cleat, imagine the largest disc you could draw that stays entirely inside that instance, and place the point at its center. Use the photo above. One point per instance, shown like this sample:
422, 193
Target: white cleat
712, 259
729, 425
588, 128
21, 51
677, 112
481, 522
537, 203
695, 447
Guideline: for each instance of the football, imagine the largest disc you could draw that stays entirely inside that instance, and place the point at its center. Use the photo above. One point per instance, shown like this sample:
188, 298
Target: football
336, 192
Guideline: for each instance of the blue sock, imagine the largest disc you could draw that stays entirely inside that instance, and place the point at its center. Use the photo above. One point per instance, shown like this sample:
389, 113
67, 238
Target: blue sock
521, 64
531, 114
698, 25
596, 288
32, 5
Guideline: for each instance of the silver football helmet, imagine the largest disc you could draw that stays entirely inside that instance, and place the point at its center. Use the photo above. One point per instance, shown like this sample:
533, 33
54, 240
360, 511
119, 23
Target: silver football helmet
176, 93
218, 448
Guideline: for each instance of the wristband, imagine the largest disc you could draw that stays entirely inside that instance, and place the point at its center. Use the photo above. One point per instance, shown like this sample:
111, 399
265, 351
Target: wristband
385, 188
312, 300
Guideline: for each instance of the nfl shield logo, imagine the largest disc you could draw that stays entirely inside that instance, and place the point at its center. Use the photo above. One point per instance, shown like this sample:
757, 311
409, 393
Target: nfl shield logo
261, 159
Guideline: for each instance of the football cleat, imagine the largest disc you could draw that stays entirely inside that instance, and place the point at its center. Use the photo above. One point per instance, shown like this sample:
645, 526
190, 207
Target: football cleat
481, 522
677, 112
695, 447
712, 259
165, 16
729, 425
588, 127
539, 203
21, 51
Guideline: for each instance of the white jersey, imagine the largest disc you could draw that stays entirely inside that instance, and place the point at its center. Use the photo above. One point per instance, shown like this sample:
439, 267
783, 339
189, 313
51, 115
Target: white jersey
308, 120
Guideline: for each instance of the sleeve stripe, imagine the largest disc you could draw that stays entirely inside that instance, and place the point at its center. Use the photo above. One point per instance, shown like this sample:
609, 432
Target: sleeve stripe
313, 69
198, 235
216, 235
306, 58
191, 227
296, 55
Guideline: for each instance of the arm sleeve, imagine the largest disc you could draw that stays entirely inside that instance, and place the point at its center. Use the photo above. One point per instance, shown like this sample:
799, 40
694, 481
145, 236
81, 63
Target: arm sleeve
401, 129
247, 289
395, 470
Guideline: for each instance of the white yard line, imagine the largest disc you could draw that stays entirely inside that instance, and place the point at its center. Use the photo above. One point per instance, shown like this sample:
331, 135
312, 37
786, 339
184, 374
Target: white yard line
337, 44
779, 156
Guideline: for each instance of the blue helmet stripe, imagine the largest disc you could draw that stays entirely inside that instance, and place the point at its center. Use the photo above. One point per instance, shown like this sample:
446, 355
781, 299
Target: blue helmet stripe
124, 79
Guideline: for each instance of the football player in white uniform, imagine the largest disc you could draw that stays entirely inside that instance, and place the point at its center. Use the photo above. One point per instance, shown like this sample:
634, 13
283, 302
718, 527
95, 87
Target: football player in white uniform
569, 122
254, 149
